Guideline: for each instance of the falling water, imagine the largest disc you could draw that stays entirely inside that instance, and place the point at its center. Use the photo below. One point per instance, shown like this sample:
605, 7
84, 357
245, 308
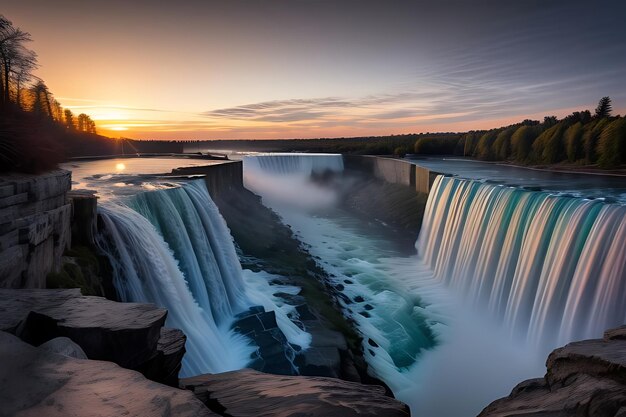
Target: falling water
553, 268
172, 247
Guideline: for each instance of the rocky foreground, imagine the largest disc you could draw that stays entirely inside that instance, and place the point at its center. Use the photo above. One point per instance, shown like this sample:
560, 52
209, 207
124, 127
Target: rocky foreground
586, 378
64, 354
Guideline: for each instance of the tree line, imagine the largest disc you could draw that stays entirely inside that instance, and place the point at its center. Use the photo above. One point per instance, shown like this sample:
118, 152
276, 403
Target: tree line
583, 137
22, 90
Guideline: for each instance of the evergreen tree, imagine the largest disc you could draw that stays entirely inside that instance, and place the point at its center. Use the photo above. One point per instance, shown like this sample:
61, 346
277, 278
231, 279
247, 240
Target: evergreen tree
604, 108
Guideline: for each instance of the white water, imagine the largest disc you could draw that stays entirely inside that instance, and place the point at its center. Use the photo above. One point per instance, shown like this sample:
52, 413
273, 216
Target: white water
489, 255
172, 247
552, 268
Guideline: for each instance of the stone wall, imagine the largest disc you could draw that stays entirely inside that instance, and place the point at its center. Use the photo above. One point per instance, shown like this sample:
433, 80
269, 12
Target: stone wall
395, 171
35, 223
219, 176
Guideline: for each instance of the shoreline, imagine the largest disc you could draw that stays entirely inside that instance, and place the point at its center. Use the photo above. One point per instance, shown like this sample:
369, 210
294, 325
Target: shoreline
559, 169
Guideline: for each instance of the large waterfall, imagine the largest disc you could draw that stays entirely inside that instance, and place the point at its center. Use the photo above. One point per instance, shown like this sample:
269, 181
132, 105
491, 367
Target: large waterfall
552, 268
171, 247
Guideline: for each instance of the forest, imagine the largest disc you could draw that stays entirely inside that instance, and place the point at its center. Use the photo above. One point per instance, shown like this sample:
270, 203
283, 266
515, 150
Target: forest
582, 138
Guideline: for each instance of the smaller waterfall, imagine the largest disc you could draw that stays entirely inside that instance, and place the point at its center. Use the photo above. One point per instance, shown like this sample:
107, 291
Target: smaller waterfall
552, 267
145, 270
172, 247
286, 178
300, 163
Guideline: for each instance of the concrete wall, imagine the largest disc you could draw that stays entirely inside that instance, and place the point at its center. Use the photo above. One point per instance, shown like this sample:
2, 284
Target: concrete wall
35, 227
219, 176
391, 170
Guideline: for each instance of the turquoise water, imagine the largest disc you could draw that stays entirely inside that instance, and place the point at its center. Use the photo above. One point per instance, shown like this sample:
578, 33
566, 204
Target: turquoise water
502, 276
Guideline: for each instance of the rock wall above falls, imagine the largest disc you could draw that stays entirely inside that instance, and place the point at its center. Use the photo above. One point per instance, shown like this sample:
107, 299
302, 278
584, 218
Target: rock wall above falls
35, 224
583, 379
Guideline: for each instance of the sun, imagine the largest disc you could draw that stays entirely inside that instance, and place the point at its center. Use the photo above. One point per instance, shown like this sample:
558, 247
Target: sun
120, 167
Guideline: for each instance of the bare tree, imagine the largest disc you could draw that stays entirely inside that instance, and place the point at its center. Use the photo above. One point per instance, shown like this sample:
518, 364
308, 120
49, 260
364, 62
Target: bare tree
12, 55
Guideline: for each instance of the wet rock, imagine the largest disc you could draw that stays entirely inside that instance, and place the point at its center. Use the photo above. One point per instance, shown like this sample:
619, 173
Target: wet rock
42, 383
304, 313
358, 299
273, 351
586, 378
323, 358
320, 361
248, 393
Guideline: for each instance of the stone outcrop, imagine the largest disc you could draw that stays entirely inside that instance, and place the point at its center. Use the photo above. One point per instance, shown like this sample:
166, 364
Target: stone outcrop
273, 349
586, 378
129, 334
165, 365
249, 393
37, 383
35, 218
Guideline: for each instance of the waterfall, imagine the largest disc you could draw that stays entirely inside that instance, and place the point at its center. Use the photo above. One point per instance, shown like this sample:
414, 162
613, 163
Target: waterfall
298, 163
552, 268
286, 178
172, 247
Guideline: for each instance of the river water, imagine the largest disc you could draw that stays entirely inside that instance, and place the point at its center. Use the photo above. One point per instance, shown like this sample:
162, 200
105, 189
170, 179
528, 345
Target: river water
606, 187
436, 324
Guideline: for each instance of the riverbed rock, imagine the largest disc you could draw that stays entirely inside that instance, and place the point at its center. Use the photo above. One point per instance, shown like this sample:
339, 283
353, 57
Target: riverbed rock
36, 382
586, 378
248, 393
274, 352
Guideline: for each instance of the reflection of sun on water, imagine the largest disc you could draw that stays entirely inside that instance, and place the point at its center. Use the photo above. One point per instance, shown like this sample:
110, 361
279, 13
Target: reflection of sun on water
120, 167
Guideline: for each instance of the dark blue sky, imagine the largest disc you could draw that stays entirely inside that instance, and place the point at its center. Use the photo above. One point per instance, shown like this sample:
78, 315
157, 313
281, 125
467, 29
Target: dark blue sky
307, 68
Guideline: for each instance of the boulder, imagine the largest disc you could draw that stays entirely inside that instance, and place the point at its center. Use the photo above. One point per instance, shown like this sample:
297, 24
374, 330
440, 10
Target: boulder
37, 382
64, 346
586, 378
124, 333
249, 393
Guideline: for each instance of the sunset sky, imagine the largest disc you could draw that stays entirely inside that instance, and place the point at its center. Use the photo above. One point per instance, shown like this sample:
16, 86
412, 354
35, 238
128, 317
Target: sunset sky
205, 69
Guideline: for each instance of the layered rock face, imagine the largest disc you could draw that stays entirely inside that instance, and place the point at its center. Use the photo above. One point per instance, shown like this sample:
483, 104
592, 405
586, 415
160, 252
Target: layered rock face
35, 228
85, 344
586, 378
37, 382
249, 393
129, 334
